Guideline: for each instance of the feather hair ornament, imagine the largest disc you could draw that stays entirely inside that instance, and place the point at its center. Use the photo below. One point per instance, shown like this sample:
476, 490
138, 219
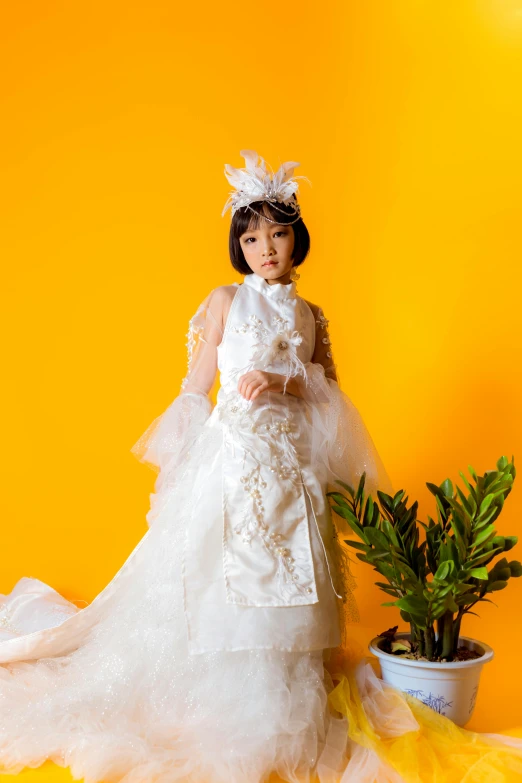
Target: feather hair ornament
256, 183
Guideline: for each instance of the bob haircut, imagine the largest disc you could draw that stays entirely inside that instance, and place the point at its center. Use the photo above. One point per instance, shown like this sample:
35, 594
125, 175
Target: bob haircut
244, 219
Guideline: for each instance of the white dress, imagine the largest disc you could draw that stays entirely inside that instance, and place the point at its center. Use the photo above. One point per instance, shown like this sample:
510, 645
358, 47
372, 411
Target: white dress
204, 657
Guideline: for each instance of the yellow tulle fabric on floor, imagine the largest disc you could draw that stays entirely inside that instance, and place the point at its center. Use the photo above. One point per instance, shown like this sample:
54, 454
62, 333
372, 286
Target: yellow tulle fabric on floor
414, 743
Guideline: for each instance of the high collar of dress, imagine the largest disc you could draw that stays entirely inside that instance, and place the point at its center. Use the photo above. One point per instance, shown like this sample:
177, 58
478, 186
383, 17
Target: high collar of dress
274, 291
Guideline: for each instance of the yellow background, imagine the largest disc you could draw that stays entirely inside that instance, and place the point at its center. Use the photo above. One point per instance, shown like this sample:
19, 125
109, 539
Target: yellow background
117, 120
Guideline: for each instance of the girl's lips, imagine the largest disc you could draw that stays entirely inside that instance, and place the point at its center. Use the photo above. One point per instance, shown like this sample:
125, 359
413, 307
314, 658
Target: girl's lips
270, 263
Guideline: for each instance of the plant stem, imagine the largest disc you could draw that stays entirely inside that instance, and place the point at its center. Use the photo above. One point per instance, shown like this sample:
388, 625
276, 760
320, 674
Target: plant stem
447, 636
456, 631
429, 637
420, 640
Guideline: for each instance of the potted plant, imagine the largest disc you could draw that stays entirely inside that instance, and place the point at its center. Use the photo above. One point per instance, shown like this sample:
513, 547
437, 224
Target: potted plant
434, 582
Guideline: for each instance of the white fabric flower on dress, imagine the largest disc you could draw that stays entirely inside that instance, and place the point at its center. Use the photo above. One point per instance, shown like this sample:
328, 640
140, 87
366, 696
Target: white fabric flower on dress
276, 346
235, 411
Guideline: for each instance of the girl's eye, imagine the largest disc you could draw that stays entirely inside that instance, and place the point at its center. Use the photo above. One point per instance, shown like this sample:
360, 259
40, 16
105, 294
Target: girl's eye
247, 240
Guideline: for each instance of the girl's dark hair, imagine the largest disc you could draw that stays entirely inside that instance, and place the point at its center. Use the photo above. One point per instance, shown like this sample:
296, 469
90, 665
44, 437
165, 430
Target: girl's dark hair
244, 219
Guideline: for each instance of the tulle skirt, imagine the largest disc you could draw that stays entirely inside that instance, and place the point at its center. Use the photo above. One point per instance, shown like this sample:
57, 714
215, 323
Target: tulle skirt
111, 691
131, 704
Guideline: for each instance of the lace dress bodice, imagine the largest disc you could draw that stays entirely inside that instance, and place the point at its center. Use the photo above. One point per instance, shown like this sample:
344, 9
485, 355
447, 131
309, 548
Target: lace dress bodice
275, 545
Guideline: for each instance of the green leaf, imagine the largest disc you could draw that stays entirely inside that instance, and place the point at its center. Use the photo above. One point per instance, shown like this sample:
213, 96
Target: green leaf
378, 554
442, 571
368, 512
352, 521
386, 500
447, 488
483, 557
360, 488
339, 498
340, 510
434, 489
484, 521
465, 502
404, 568
486, 503
387, 588
356, 545
376, 538
413, 604
451, 604
466, 482
437, 612
467, 600
461, 545
397, 498
442, 591
389, 591
464, 588
490, 476
484, 535
347, 487
387, 570
479, 573
390, 532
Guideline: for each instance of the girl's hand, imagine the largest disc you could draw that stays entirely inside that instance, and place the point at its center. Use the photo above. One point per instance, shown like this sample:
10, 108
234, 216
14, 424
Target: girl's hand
252, 383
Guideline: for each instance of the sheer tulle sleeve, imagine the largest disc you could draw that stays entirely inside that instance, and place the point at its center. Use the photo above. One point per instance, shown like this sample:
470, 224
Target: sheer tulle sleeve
342, 448
166, 441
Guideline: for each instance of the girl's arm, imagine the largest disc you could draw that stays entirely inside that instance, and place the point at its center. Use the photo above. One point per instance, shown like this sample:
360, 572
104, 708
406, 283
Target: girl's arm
205, 333
322, 353
166, 441
323, 347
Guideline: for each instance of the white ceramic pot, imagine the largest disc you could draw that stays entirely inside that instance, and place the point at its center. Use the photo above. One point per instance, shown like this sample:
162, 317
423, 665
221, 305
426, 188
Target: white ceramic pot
448, 688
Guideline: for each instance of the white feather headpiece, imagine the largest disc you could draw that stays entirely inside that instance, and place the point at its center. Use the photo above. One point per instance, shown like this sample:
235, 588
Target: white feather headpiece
254, 183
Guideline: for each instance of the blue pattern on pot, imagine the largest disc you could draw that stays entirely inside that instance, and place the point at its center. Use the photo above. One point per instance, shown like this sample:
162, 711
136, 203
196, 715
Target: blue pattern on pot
437, 703
473, 699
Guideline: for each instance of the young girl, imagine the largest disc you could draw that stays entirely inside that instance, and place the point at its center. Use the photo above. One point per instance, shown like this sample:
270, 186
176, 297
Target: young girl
211, 656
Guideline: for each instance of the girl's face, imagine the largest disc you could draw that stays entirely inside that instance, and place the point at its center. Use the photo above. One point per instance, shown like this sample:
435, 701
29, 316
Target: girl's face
268, 251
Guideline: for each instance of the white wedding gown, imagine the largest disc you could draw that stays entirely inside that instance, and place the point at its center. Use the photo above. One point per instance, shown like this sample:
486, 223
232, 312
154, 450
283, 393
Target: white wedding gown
205, 658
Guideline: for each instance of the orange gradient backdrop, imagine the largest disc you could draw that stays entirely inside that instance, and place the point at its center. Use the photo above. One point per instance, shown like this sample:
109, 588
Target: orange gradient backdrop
117, 120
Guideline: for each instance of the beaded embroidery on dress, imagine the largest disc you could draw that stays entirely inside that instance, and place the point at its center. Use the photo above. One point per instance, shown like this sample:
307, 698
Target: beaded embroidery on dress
206, 657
